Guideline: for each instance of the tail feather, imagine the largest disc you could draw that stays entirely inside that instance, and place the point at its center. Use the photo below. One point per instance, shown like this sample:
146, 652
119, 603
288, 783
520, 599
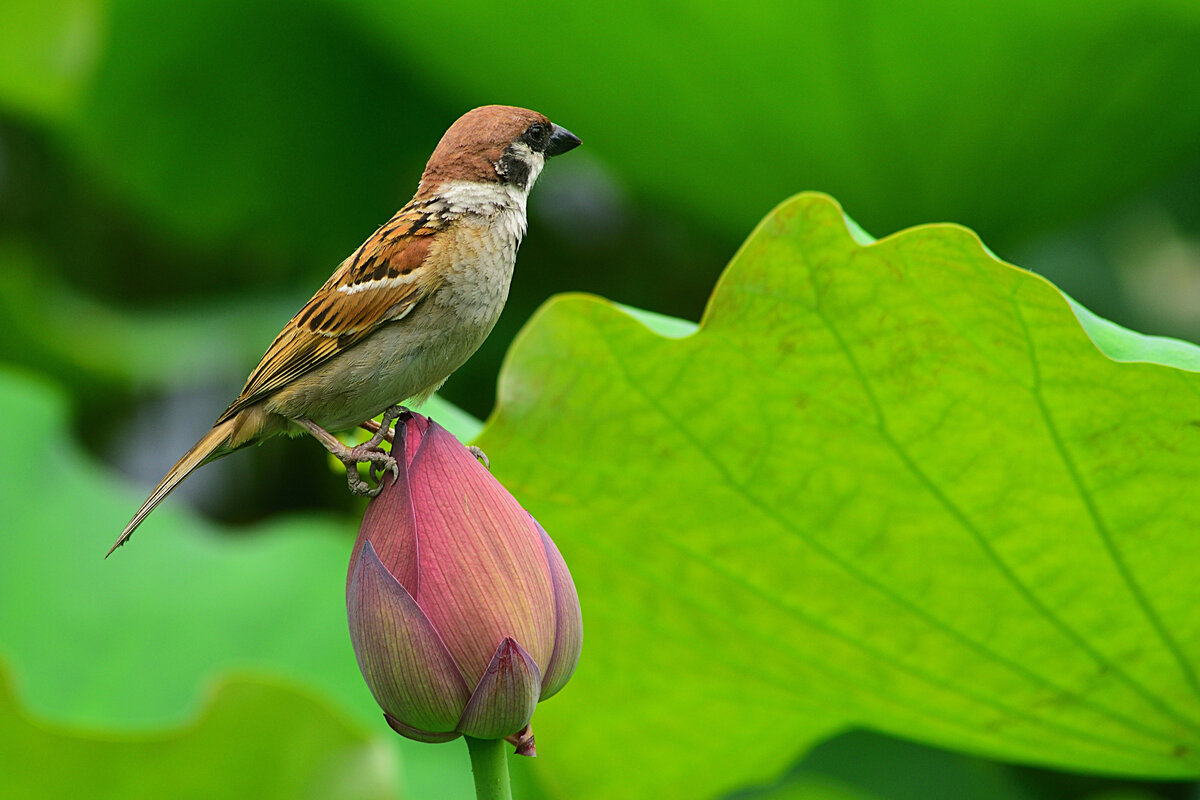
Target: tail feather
211, 446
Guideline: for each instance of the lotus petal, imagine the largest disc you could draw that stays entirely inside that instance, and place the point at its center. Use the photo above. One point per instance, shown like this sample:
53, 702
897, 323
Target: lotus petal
402, 657
390, 523
482, 564
503, 702
568, 621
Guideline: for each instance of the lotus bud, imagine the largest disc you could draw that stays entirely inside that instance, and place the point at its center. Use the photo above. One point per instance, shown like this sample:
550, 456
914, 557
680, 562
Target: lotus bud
462, 612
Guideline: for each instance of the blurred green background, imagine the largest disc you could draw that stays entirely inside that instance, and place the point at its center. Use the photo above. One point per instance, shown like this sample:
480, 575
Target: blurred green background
176, 179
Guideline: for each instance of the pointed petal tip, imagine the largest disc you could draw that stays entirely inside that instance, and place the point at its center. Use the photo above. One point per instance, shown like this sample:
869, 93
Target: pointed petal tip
463, 456
505, 697
368, 551
416, 428
367, 561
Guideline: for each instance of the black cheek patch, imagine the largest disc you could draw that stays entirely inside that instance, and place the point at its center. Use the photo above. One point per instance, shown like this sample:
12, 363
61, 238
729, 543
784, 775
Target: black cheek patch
514, 169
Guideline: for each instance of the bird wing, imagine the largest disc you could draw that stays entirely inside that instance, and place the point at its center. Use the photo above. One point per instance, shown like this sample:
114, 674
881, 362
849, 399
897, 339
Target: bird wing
383, 281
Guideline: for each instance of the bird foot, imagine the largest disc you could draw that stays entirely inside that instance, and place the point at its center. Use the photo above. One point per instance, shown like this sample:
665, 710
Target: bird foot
480, 456
369, 452
380, 462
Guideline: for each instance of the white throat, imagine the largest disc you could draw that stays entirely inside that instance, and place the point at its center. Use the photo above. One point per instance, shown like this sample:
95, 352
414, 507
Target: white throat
536, 161
480, 197
503, 203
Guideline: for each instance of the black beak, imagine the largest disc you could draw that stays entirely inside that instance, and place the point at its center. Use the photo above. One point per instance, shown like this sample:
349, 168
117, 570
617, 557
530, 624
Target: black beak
561, 140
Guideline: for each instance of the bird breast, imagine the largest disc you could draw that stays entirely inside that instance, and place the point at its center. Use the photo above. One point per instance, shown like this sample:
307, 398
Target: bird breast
410, 358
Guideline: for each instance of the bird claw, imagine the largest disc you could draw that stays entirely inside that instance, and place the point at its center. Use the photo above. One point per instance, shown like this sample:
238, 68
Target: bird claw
370, 452
480, 456
380, 462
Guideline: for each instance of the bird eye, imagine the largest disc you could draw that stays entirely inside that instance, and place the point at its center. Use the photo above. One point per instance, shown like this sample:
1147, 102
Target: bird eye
537, 131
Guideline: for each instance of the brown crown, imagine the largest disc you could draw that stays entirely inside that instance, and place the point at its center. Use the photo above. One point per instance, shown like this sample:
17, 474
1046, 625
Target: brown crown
474, 143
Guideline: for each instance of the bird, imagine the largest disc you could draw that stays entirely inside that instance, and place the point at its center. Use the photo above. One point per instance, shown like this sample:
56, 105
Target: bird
402, 312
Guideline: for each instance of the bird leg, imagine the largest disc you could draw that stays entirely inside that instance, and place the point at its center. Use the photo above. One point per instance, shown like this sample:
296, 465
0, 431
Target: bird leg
371, 426
375, 428
366, 453
384, 431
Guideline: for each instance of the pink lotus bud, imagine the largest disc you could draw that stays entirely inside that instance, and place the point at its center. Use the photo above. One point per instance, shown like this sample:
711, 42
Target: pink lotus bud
462, 612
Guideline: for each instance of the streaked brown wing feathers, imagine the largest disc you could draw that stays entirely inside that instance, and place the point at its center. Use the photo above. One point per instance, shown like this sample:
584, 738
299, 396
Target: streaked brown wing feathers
382, 281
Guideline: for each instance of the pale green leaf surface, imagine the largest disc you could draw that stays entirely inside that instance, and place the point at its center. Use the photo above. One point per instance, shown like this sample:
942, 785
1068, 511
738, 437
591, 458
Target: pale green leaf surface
1121, 344
253, 739
1115, 341
894, 486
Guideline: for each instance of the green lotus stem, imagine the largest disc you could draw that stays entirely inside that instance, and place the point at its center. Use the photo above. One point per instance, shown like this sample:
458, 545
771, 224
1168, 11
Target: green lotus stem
490, 765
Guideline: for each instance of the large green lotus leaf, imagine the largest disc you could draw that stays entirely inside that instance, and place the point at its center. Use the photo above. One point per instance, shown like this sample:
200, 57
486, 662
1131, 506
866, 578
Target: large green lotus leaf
253, 740
894, 486
68, 637
48, 50
133, 642
1005, 116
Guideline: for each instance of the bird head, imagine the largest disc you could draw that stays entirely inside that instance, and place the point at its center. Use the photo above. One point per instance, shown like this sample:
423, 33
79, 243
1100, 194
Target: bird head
496, 144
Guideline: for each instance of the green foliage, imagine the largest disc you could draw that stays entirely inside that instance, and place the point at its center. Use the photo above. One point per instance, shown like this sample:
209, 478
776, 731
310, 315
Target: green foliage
152, 349
723, 110
255, 740
899, 770
893, 485
903, 487
232, 125
48, 54
1120, 344
138, 638
184, 605
255, 147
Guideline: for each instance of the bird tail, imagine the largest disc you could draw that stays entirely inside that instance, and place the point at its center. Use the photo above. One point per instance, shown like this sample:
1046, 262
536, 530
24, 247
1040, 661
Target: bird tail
211, 446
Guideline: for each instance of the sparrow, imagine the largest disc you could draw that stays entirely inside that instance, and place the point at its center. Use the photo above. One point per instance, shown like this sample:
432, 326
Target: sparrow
405, 310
